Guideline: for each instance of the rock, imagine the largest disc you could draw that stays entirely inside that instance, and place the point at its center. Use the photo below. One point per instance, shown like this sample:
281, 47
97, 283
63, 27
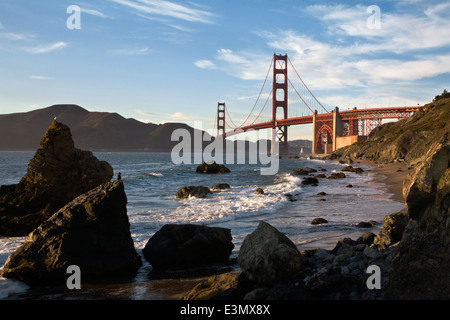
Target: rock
366, 238
301, 172
310, 180
392, 230
366, 224
91, 232
420, 269
336, 175
420, 185
188, 245
322, 194
352, 169
191, 191
317, 221
259, 191
349, 186
321, 176
56, 175
211, 168
232, 285
220, 186
266, 256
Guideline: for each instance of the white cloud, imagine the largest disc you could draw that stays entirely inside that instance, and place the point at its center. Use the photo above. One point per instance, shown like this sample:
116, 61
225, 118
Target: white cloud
205, 64
46, 48
168, 9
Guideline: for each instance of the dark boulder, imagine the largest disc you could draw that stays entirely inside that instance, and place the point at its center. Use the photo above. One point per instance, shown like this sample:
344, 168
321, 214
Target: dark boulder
220, 186
259, 191
336, 175
266, 256
206, 167
187, 245
317, 221
192, 191
310, 180
352, 169
56, 175
91, 232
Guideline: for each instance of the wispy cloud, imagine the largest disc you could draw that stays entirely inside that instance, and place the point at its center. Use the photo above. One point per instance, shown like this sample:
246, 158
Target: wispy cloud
170, 117
40, 77
46, 48
95, 13
132, 52
169, 9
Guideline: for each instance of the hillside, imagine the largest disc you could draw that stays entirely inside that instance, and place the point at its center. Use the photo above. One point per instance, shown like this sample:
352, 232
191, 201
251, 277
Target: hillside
90, 130
405, 140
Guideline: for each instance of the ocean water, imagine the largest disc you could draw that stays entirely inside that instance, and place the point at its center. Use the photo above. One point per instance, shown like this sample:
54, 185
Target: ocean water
151, 181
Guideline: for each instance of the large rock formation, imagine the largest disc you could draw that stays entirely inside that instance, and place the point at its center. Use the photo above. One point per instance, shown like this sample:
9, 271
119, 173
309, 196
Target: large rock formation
91, 232
188, 245
57, 174
421, 267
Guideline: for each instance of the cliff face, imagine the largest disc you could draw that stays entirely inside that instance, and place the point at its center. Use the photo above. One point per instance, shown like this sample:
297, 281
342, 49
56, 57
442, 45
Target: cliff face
420, 269
56, 174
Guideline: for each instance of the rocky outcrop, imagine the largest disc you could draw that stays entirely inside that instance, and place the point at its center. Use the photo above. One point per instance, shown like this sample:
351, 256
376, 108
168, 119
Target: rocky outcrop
392, 230
421, 267
266, 256
187, 245
336, 175
192, 191
352, 169
212, 168
91, 232
56, 175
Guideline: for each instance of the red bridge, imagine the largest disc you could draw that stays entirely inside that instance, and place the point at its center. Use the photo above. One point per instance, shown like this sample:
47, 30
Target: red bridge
331, 130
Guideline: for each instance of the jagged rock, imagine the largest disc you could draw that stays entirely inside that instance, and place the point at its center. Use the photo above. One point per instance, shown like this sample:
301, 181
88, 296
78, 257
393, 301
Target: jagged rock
266, 256
205, 167
188, 245
192, 191
56, 175
91, 232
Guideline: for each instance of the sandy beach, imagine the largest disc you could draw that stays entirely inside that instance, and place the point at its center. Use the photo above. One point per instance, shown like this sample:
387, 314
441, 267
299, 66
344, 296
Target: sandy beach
392, 175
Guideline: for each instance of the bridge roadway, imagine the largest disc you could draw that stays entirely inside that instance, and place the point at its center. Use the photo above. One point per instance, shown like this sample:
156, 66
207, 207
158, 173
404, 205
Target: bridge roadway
354, 114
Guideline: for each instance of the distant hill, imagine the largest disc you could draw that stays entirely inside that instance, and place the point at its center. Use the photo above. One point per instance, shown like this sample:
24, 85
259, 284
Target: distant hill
99, 131
90, 130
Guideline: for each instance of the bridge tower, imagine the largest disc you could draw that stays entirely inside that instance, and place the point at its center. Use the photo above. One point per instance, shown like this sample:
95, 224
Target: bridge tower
220, 118
280, 100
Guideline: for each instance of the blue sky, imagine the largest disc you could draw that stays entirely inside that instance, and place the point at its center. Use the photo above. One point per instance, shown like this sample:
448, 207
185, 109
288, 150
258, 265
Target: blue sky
172, 61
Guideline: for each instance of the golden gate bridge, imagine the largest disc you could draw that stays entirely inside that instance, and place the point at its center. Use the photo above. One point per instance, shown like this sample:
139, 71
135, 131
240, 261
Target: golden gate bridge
331, 130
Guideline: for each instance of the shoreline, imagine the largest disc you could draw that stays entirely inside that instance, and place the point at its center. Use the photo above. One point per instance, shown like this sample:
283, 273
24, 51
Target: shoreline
388, 177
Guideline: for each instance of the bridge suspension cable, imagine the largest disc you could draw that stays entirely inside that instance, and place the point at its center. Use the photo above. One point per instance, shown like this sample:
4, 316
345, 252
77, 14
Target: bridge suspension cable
292, 65
254, 106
